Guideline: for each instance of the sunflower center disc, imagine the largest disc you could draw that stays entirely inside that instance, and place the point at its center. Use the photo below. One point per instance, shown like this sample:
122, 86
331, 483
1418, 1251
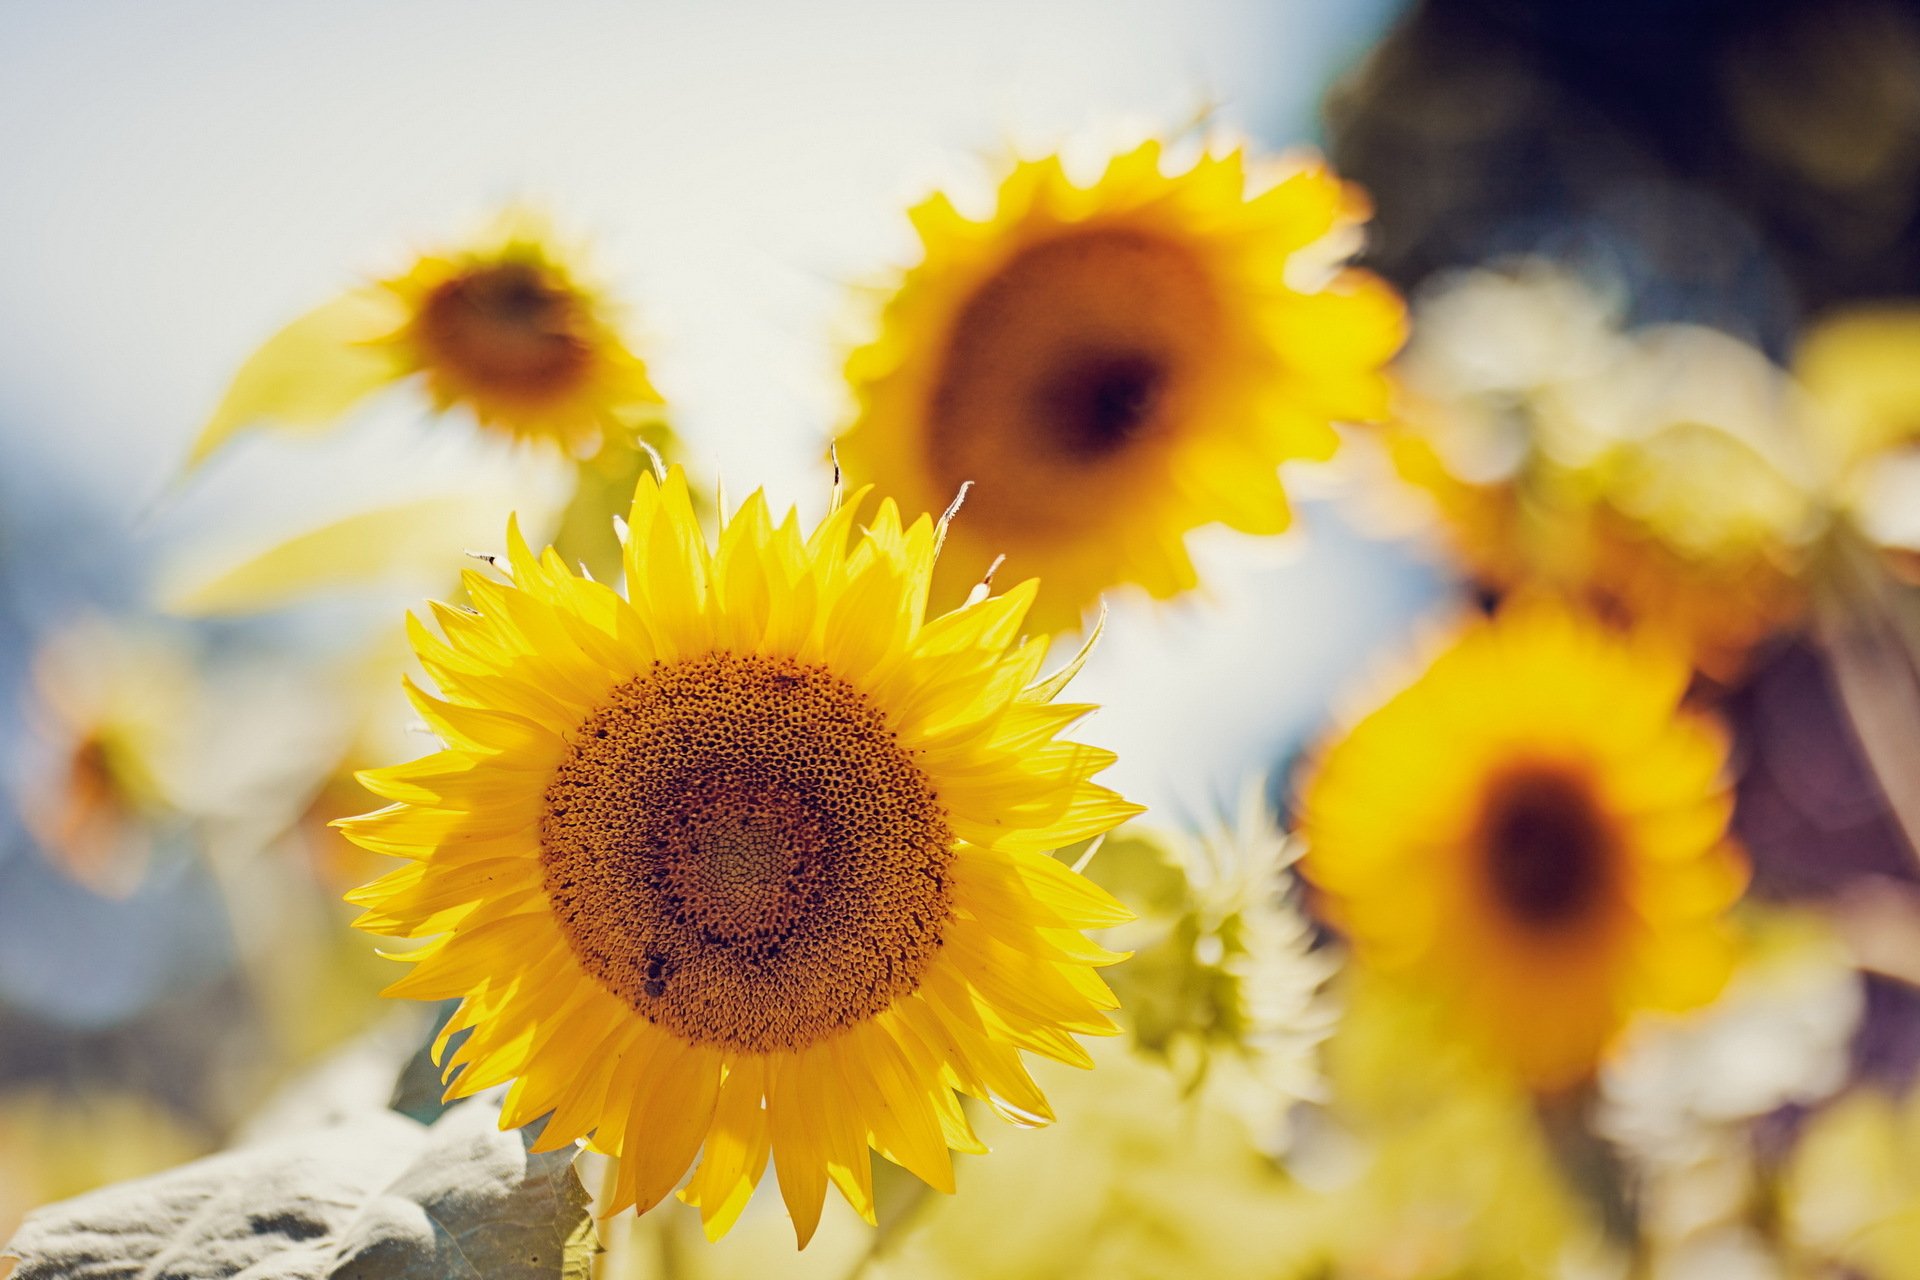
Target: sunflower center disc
1104, 400
1547, 845
1078, 355
507, 328
737, 846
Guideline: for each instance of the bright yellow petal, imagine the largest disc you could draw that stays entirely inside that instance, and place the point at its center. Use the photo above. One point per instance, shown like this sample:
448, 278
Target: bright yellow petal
778, 701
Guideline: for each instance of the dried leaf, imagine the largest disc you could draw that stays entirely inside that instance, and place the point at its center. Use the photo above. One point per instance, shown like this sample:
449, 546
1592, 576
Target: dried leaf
380, 1197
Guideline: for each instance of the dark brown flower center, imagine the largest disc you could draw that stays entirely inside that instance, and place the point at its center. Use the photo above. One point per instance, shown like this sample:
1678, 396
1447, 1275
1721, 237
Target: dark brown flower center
1068, 364
1102, 401
507, 329
737, 846
1548, 847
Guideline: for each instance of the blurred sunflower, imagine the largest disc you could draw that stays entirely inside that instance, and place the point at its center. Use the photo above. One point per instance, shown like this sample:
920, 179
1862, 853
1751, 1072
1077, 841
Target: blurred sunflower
764, 847
1862, 368
1535, 830
1655, 477
111, 707
1115, 365
502, 327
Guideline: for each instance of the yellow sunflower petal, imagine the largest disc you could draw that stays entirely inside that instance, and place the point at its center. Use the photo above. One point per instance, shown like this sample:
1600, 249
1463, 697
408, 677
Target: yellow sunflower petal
506, 329
696, 862
1115, 365
1535, 829
308, 375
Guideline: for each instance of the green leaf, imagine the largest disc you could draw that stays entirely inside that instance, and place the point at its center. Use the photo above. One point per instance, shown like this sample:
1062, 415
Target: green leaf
380, 1197
1142, 872
603, 489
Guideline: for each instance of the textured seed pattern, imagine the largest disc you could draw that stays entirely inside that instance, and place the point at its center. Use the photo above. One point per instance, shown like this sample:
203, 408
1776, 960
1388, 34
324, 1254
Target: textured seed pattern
738, 846
508, 329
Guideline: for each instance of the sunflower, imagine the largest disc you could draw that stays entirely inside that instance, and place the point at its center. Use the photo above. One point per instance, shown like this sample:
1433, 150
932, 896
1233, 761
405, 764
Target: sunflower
502, 327
1537, 831
108, 727
754, 860
1115, 365
1652, 476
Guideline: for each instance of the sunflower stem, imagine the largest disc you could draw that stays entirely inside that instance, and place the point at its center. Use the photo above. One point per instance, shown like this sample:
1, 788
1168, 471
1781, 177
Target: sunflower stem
672, 1256
894, 1223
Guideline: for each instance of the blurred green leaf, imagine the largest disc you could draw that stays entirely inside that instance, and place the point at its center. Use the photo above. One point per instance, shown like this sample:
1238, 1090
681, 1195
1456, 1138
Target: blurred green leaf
603, 489
380, 1197
1140, 872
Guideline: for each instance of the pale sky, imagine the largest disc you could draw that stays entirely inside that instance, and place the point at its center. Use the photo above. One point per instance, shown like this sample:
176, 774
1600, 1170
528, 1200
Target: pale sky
182, 178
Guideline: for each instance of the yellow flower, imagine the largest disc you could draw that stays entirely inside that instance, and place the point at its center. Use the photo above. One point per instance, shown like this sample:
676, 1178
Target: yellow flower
502, 328
109, 718
1115, 365
1139, 1180
1655, 479
1536, 831
756, 858
1147, 1180
1861, 370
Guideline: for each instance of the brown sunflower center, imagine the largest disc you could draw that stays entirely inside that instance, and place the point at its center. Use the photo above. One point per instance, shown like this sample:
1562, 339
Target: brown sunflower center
506, 328
1548, 846
1104, 400
738, 847
1073, 358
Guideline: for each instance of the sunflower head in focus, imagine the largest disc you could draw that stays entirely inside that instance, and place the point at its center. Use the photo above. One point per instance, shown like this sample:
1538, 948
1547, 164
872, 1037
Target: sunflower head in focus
1117, 364
1535, 831
753, 862
502, 327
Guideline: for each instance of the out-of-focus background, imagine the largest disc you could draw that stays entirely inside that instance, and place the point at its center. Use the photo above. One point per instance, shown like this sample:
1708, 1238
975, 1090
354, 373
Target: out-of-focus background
182, 179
